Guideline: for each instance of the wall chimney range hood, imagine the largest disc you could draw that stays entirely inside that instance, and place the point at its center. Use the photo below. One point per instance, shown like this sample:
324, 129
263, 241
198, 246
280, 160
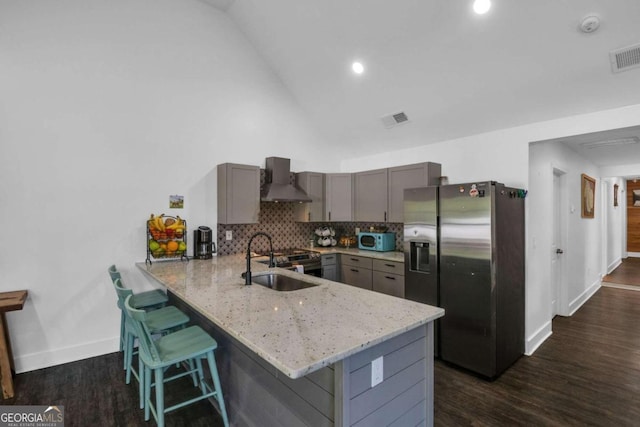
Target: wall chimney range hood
277, 187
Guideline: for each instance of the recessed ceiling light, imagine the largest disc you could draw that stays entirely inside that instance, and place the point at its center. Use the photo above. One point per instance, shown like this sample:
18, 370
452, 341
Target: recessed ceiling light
357, 67
481, 6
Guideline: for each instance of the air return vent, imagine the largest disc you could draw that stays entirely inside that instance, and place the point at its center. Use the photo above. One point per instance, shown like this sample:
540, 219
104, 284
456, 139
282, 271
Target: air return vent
394, 119
611, 142
625, 58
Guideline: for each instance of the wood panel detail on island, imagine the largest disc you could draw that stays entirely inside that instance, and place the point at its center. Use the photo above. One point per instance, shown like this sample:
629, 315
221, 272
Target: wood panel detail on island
304, 357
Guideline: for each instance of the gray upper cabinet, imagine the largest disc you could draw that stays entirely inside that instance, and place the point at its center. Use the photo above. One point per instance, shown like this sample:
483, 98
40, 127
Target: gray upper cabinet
311, 183
371, 195
409, 176
238, 194
338, 197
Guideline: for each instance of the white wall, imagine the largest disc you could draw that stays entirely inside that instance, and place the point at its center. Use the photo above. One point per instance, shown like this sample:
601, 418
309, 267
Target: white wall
583, 251
503, 156
107, 108
615, 222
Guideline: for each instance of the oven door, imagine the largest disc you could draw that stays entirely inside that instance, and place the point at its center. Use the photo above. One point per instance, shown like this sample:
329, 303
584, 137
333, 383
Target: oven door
312, 269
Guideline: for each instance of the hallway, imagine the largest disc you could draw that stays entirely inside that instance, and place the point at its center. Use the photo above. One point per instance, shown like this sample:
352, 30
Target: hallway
627, 273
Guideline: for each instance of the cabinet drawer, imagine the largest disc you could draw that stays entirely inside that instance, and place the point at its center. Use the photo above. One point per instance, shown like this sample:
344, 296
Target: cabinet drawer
388, 283
388, 266
356, 261
330, 259
356, 276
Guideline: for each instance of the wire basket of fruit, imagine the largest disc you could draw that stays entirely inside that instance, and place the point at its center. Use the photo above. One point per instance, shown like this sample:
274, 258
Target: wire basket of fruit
166, 237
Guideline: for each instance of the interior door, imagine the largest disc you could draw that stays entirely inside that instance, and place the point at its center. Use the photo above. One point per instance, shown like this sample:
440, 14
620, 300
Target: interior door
557, 246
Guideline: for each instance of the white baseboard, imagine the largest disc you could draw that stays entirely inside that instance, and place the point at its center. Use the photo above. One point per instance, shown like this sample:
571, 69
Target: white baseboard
633, 254
583, 297
615, 264
45, 359
538, 338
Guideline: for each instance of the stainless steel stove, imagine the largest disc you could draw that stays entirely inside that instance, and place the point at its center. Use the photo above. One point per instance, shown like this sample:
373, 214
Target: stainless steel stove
290, 258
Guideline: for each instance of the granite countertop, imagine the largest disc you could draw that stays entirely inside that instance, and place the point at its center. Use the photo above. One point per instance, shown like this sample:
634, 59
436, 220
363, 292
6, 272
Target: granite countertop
300, 331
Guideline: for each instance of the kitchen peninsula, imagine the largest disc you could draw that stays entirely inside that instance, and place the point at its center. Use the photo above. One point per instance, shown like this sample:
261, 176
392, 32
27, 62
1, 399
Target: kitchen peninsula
305, 356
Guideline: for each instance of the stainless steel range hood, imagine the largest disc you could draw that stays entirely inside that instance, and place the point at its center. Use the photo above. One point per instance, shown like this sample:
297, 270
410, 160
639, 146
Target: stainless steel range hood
277, 187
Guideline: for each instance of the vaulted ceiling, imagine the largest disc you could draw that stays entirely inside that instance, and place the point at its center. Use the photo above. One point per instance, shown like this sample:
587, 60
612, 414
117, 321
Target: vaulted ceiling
452, 72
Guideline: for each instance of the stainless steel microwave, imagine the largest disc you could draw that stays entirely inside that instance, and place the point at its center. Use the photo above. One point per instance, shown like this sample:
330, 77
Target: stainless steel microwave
380, 242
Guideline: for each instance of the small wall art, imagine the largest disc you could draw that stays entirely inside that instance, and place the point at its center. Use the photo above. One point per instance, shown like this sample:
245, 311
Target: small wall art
588, 196
176, 202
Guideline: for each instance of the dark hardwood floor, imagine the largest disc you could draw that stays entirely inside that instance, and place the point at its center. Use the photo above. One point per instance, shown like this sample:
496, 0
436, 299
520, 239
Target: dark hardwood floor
627, 273
586, 373
93, 393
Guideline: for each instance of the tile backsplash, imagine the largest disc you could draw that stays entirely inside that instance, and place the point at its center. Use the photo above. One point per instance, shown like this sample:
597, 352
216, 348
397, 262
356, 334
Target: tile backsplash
277, 220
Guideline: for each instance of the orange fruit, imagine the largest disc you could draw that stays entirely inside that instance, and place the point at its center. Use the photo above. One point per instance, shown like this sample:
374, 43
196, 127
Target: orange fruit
172, 246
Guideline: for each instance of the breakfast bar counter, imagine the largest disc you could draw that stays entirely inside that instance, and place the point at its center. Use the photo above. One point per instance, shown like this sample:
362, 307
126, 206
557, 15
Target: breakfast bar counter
305, 356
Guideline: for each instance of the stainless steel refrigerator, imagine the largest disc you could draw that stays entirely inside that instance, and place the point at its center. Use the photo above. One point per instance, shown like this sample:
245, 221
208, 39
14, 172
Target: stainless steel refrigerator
464, 252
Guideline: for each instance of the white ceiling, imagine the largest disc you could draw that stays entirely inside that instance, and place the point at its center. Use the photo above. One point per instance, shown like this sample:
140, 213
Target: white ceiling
610, 148
452, 72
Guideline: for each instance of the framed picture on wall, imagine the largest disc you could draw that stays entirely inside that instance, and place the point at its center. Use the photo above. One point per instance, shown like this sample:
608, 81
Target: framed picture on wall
588, 196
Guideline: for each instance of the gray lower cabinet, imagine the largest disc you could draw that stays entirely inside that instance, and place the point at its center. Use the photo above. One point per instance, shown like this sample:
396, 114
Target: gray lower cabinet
238, 194
330, 267
378, 275
388, 277
356, 271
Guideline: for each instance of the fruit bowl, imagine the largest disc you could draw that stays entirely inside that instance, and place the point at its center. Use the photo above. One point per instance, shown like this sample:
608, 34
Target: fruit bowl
166, 237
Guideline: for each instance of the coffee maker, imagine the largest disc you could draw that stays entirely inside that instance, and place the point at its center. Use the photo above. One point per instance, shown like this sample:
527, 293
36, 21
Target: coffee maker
203, 245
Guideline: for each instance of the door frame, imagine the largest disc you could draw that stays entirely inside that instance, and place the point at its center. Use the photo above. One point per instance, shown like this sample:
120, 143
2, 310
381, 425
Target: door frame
560, 214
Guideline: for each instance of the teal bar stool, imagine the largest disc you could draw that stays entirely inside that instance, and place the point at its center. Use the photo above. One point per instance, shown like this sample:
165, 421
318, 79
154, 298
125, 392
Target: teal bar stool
187, 345
149, 299
160, 321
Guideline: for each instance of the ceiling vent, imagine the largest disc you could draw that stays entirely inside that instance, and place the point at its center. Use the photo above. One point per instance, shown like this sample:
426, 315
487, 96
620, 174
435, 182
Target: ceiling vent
625, 58
394, 119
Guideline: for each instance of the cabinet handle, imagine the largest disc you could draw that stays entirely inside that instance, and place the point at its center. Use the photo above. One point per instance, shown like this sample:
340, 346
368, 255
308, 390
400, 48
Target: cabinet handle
355, 259
355, 270
390, 265
385, 216
309, 216
389, 277
328, 258
329, 215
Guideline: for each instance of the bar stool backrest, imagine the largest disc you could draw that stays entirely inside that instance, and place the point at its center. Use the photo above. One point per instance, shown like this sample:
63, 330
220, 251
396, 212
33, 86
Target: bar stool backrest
138, 319
113, 272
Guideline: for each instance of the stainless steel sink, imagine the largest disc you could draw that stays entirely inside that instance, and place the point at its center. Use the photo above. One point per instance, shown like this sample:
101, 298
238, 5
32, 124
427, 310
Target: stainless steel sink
280, 282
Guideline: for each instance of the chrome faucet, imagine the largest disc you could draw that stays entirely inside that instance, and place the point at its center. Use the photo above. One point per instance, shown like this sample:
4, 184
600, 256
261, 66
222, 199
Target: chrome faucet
247, 274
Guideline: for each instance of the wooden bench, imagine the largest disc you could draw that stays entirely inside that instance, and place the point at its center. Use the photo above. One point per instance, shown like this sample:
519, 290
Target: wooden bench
9, 301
